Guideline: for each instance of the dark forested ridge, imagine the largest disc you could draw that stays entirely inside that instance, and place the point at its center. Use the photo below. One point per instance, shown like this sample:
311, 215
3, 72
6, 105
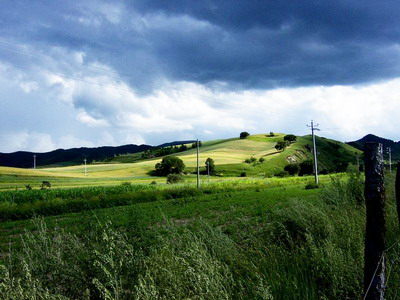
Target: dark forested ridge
62, 157
395, 146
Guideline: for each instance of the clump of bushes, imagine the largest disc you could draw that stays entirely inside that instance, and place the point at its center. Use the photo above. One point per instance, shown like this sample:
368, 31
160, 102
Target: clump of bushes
281, 145
175, 178
311, 186
291, 138
292, 169
282, 174
250, 160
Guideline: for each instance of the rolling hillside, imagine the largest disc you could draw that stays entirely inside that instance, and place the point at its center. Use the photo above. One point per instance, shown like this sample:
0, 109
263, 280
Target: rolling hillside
229, 156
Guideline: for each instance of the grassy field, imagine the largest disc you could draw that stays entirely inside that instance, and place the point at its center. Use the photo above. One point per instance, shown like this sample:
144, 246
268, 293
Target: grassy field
229, 156
254, 239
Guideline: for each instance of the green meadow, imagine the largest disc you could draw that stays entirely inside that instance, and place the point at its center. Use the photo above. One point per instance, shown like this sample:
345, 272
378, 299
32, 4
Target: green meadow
254, 239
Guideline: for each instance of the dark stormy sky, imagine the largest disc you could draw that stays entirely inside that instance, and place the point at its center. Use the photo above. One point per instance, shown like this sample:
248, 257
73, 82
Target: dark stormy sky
92, 73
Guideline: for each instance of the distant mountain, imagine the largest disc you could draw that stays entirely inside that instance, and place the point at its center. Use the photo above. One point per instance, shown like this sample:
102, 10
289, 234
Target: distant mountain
176, 143
395, 146
61, 157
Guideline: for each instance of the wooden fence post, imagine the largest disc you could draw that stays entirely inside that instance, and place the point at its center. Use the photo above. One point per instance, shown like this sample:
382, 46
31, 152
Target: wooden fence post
374, 259
398, 191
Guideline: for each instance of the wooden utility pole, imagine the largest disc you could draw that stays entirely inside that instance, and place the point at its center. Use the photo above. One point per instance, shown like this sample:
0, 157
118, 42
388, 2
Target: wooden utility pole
398, 191
198, 168
374, 255
313, 128
390, 158
34, 162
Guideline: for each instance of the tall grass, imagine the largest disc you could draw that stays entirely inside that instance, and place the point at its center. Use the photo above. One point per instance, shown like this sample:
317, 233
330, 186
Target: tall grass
297, 250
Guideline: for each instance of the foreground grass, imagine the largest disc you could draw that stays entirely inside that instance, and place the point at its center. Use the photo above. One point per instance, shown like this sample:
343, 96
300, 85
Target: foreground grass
281, 242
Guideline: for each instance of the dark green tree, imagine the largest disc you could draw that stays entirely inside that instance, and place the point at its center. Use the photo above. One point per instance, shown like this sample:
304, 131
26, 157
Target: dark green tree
170, 165
211, 165
306, 168
292, 169
244, 135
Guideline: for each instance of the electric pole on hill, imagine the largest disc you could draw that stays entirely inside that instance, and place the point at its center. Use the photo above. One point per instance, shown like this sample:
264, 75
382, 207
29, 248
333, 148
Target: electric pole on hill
85, 165
313, 128
198, 170
34, 162
390, 158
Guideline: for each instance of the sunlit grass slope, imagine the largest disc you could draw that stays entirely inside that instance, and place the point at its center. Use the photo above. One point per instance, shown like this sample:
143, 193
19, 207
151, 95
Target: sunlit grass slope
229, 156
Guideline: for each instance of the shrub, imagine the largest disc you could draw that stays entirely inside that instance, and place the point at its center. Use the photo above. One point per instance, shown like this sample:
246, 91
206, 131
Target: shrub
312, 186
243, 174
282, 174
281, 145
244, 135
153, 182
261, 160
175, 178
292, 169
250, 160
271, 134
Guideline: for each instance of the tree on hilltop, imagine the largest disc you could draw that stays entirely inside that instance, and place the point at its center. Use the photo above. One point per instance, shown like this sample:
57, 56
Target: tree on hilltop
244, 135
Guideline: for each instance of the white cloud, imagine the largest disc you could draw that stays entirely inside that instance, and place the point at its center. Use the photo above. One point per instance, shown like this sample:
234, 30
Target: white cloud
28, 86
85, 118
27, 141
70, 141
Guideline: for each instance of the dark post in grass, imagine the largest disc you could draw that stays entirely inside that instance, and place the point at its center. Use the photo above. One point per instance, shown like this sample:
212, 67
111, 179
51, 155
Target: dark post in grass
398, 191
374, 259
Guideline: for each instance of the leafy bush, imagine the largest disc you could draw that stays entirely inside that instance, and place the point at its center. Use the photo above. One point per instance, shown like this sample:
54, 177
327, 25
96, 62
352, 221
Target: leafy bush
292, 169
243, 174
250, 160
175, 178
282, 174
261, 160
311, 186
281, 145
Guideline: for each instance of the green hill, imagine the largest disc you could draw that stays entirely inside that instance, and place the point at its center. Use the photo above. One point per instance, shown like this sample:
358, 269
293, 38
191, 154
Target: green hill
229, 156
